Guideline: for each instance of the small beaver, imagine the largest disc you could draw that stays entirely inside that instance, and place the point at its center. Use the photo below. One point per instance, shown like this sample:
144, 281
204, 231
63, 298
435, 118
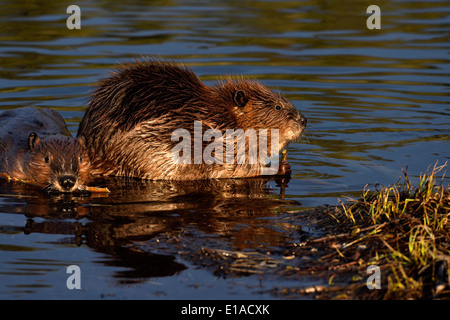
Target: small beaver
37, 148
130, 126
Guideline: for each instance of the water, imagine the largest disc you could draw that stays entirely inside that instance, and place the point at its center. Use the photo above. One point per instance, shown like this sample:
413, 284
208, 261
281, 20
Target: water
376, 102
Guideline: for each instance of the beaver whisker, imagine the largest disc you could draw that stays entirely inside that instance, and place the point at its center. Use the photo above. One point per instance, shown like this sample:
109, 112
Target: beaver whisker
48, 188
301, 139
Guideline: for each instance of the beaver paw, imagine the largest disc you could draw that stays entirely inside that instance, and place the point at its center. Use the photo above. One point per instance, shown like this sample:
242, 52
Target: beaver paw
284, 169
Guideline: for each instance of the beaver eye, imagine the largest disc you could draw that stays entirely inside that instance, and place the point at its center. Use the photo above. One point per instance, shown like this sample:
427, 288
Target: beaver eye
278, 107
47, 159
81, 159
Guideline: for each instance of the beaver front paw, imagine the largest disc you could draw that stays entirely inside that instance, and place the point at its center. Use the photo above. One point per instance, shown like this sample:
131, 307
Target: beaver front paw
284, 169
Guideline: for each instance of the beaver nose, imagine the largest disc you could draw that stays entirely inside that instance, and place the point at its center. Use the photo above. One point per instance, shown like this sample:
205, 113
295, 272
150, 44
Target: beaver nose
301, 118
67, 182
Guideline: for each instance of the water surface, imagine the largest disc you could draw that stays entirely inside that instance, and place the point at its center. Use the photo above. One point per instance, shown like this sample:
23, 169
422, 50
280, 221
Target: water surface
376, 102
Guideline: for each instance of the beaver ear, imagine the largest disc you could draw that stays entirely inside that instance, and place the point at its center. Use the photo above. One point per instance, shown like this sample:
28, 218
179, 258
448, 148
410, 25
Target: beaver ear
33, 140
240, 98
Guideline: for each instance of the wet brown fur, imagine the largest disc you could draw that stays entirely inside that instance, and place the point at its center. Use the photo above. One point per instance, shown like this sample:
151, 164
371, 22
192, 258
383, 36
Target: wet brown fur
37, 148
128, 125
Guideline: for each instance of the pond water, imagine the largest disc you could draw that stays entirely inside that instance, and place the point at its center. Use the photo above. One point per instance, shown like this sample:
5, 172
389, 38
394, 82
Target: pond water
376, 101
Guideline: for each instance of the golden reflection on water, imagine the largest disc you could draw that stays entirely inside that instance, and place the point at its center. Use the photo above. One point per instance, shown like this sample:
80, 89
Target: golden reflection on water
376, 100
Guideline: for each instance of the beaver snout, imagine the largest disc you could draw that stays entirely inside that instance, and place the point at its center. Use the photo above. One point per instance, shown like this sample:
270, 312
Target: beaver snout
297, 125
67, 182
301, 119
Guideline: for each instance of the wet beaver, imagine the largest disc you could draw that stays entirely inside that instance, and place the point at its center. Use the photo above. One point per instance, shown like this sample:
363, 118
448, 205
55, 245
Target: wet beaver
37, 148
130, 126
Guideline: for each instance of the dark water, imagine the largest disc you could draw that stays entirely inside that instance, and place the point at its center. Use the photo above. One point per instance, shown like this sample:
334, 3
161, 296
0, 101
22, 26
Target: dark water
376, 101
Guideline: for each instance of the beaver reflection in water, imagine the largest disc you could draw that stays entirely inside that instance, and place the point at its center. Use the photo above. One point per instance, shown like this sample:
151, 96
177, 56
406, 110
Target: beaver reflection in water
37, 148
129, 124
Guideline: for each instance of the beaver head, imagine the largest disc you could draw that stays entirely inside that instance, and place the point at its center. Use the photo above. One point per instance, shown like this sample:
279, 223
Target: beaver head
256, 106
55, 162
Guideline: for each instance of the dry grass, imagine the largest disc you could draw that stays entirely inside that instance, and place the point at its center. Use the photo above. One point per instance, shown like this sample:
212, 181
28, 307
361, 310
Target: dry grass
408, 232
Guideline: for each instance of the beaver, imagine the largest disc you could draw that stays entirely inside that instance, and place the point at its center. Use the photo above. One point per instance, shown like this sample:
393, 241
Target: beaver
130, 125
36, 147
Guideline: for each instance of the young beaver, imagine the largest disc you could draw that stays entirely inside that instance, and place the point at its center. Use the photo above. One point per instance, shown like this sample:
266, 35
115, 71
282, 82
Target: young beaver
37, 148
130, 124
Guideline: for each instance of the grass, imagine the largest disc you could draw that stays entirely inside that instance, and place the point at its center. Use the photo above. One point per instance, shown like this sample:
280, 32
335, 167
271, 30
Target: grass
407, 229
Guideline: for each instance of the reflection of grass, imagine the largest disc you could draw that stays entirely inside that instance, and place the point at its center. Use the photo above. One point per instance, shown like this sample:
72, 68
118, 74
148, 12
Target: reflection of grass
412, 224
